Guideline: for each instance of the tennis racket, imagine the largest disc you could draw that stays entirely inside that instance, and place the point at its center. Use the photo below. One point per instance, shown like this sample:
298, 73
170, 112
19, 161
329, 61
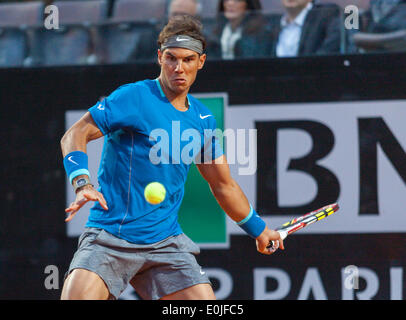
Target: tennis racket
303, 221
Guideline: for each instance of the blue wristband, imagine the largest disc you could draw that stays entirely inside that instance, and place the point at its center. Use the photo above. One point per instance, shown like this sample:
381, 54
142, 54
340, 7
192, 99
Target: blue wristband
252, 224
76, 164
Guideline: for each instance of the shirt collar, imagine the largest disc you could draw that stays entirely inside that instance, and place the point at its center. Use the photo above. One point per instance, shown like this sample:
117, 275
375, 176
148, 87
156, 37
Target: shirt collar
299, 20
163, 94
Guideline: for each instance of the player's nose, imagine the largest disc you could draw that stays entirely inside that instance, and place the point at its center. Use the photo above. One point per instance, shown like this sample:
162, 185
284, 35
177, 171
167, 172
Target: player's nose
179, 67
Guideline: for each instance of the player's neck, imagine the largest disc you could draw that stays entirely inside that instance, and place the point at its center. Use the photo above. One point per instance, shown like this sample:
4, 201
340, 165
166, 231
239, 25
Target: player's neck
178, 100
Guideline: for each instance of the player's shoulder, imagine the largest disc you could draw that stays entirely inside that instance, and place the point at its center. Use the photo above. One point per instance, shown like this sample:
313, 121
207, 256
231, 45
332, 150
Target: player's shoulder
203, 114
122, 92
131, 88
145, 84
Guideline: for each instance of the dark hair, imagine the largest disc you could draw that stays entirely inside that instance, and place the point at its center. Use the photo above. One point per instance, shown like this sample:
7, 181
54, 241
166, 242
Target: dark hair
182, 25
252, 22
252, 5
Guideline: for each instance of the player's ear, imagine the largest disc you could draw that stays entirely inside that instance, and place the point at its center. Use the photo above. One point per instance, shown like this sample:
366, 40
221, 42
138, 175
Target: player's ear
160, 57
202, 60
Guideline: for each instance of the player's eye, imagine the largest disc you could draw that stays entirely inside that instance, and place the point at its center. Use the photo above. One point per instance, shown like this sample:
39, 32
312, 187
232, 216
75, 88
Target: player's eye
170, 58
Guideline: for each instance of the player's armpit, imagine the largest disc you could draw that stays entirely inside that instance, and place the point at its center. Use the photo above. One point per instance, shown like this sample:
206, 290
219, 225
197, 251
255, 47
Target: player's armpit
93, 130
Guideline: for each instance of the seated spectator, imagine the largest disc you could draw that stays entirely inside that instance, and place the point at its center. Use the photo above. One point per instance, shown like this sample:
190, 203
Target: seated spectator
307, 28
385, 16
239, 31
177, 7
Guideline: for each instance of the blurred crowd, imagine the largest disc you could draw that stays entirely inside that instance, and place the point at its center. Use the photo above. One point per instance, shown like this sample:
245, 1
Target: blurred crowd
124, 31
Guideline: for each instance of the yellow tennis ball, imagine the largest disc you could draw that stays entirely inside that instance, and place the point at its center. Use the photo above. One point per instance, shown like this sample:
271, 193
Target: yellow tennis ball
154, 193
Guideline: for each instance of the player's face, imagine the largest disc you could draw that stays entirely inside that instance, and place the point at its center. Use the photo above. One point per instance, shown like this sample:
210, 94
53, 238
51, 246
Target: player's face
234, 9
179, 68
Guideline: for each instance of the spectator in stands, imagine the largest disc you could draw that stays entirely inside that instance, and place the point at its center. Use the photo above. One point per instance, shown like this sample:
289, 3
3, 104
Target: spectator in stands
307, 28
190, 7
385, 16
239, 31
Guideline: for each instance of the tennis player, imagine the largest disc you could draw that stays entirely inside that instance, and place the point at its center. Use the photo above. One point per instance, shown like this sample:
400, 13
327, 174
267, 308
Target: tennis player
127, 240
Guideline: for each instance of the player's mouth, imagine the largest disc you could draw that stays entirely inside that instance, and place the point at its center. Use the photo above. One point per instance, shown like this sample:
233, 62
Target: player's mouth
179, 81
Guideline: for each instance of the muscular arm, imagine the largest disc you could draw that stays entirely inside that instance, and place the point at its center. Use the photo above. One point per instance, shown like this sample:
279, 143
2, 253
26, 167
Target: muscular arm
76, 139
232, 199
225, 189
78, 136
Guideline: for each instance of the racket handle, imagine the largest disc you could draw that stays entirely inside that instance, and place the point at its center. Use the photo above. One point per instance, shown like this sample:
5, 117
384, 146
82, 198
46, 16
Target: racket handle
283, 234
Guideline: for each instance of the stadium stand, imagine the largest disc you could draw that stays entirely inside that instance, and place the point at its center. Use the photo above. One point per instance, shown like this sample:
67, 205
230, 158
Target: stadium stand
71, 42
16, 14
208, 8
81, 12
139, 11
127, 34
14, 20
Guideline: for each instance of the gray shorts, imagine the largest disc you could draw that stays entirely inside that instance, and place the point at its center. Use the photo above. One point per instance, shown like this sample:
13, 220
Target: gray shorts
154, 270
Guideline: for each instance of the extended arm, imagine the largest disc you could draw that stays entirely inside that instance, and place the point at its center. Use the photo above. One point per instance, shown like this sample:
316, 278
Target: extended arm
76, 139
232, 199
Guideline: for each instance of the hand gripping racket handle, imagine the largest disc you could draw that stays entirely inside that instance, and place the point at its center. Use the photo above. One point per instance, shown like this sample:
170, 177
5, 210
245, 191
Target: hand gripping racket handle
283, 234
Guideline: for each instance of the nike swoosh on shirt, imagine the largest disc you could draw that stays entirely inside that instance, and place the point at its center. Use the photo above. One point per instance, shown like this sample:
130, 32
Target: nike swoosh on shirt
100, 107
70, 159
204, 117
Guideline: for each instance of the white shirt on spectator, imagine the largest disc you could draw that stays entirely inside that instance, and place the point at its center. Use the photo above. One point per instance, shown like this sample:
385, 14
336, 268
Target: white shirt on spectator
228, 40
289, 37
